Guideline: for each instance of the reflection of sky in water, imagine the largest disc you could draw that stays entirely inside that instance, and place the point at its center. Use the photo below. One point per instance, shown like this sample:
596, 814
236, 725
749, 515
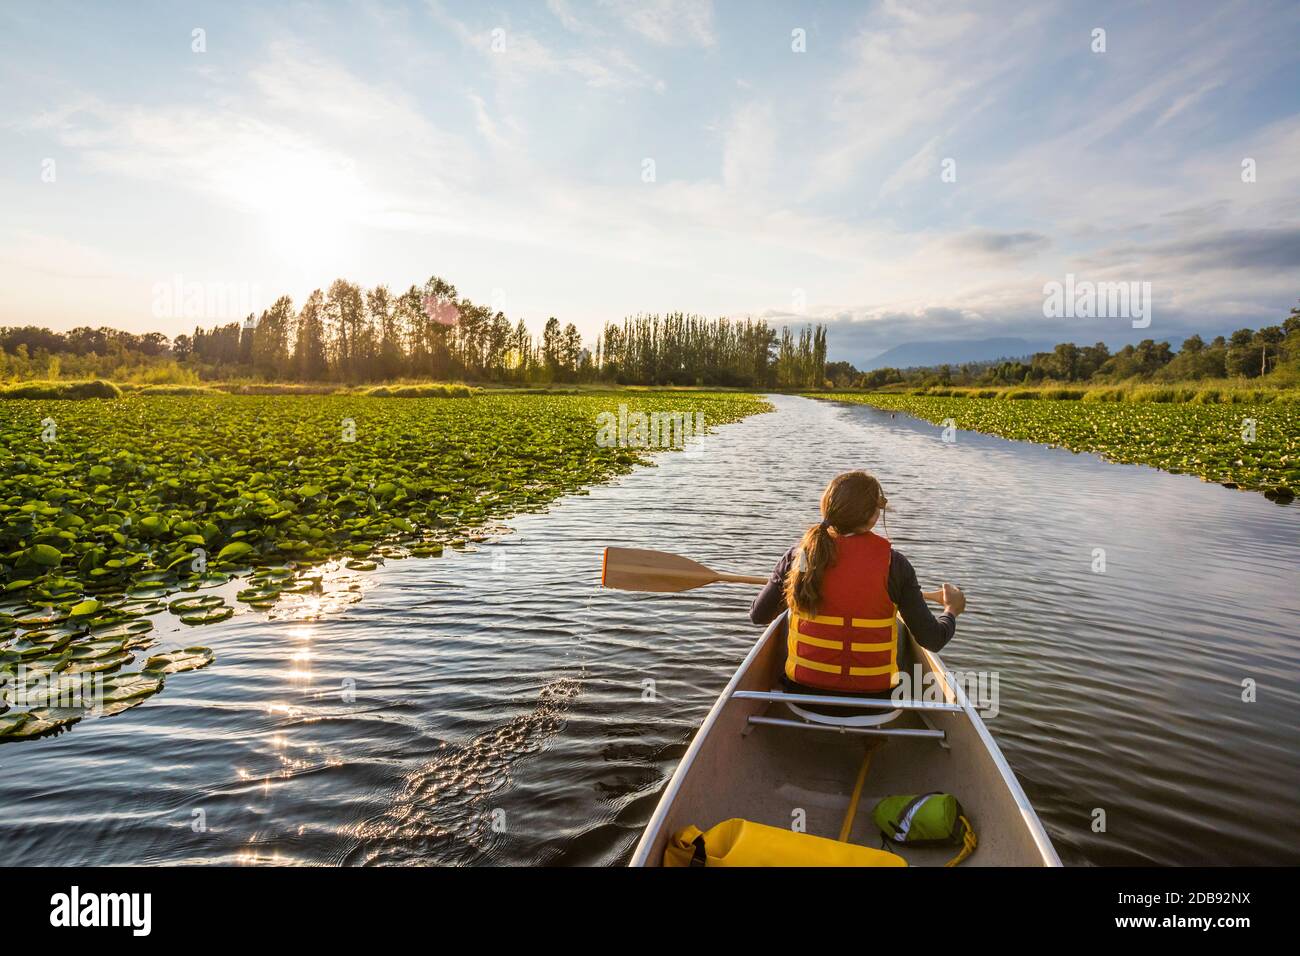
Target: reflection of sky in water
488, 706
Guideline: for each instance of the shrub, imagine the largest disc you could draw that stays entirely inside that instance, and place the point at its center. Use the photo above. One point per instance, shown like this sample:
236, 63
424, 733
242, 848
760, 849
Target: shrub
1104, 395
174, 390
432, 390
74, 391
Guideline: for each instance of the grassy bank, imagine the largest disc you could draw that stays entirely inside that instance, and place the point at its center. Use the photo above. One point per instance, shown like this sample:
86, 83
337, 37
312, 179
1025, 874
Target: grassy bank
104, 517
1223, 392
1211, 440
75, 390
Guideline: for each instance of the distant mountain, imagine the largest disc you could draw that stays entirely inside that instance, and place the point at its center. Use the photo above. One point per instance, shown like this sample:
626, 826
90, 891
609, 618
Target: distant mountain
926, 354
958, 351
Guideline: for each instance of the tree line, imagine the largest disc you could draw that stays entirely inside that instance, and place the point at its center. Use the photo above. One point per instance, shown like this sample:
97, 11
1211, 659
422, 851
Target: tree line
349, 334
1271, 353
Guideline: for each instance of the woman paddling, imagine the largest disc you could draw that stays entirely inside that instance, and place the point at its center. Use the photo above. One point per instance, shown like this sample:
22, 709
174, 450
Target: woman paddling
844, 586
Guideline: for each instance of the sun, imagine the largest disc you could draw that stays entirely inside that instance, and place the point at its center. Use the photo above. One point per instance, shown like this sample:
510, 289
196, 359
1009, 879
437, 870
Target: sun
308, 201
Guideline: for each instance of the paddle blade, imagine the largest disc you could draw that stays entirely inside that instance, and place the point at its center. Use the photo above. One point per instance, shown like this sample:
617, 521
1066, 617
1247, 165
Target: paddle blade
639, 569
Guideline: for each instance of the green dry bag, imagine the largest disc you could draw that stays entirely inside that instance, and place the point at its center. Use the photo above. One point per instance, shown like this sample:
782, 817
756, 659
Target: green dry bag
927, 819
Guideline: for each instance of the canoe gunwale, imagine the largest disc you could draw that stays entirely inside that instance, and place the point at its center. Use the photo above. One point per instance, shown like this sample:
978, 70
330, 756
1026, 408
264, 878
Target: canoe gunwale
953, 690
650, 836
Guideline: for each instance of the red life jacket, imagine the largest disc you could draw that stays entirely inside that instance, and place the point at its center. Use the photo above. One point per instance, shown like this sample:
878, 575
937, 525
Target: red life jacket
851, 644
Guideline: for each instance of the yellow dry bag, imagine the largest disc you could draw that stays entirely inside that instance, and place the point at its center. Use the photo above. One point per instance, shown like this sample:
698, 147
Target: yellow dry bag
742, 843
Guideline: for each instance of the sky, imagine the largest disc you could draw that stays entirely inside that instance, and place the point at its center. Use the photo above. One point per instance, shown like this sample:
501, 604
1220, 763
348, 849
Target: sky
900, 171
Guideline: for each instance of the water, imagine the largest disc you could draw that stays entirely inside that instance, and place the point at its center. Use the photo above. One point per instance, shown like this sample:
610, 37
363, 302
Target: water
496, 707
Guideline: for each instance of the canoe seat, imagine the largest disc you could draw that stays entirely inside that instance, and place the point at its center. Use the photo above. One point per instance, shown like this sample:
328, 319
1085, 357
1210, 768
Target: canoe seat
866, 724
841, 720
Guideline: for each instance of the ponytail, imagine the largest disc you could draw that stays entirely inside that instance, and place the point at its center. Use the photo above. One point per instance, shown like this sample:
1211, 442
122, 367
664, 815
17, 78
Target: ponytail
848, 504
803, 586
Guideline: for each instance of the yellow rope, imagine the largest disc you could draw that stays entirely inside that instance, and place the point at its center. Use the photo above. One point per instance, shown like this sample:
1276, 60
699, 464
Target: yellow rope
968, 844
847, 827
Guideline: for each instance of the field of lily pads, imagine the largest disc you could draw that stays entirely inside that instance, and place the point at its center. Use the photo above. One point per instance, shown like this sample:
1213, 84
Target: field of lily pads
118, 513
1255, 446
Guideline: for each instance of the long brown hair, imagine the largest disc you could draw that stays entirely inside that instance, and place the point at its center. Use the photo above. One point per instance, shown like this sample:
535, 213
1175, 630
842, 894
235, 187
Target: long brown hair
848, 503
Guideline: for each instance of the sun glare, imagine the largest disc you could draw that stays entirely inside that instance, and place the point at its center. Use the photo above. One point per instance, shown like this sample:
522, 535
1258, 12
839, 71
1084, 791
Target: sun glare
308, 203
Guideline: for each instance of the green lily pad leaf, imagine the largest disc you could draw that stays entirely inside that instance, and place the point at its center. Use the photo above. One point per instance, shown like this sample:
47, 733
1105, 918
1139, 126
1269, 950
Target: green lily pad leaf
27, 649
174, 662
153, 526
126, 686
9, 723
100, 664
148, 592
33, 724
210, 616
44, 554
141, 607
260, 594
53, 636
191, 604
84, 608
46, 665
123, 630
92, 650
115, 707
236, 549
47, 616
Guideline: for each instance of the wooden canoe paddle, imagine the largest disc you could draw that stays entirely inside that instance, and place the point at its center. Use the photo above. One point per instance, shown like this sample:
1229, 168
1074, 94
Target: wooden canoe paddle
640, 569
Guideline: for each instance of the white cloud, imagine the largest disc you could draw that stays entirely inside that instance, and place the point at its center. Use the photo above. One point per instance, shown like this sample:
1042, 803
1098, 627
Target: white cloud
667, 22
520, 56
569, 20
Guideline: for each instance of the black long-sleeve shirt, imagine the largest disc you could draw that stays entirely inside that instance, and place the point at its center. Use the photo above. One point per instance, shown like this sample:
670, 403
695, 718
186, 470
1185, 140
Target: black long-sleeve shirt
930, 632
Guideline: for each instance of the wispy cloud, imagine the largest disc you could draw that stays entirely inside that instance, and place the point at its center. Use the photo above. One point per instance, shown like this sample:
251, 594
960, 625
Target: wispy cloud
667, 22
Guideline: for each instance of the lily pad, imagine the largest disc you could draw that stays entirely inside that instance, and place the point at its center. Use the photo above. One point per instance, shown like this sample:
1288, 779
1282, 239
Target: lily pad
44, 618
29, 725
131, 685
191, 604
124, 629
209, 616
100, 664
174, 662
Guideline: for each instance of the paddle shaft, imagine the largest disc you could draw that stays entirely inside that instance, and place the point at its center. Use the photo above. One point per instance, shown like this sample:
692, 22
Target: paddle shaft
739, 578
640, 569
936, 596
723, 576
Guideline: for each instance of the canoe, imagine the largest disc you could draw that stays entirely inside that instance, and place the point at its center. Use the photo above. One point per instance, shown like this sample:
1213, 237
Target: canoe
757, 759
